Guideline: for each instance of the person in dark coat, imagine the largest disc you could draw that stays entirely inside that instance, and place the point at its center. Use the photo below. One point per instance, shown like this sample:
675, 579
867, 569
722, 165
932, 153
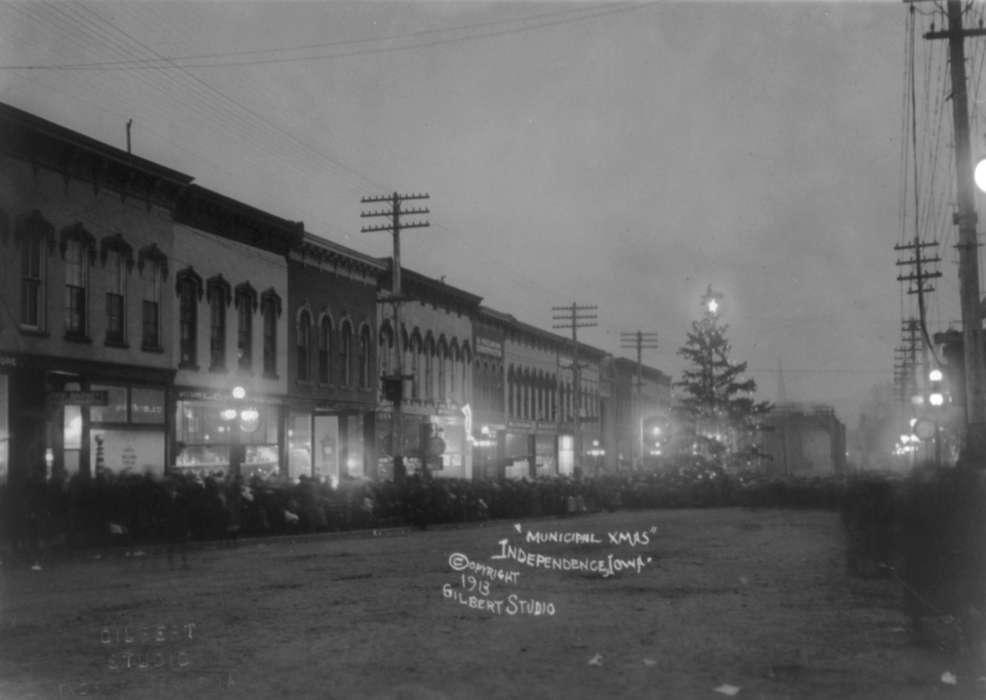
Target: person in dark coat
177, 523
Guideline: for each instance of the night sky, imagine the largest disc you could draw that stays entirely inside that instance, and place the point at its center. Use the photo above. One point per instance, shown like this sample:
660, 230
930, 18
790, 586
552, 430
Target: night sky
624, 155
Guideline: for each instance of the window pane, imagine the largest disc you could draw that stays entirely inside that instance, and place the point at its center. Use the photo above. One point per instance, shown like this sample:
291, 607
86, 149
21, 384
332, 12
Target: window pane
137, 451
146, 405
244, 338
150, 324
4, 428
299, 445
187, 323
114, 317
115, 410
218, 330
72, 428
31, 283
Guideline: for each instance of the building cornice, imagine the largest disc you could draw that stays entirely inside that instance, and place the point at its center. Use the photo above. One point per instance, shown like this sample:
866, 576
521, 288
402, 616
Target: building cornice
223, 216
44, 144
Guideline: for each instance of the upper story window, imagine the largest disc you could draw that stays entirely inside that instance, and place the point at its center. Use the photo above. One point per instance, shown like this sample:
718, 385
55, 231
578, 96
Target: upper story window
364, 357
325, 350
386, 349
189, 287
32, 283
246, 305
116, 297
304, 344
118, 260
270, 309
442, 353
76, 287
429, 386
218, 295
152, 265
346, 353
33, 233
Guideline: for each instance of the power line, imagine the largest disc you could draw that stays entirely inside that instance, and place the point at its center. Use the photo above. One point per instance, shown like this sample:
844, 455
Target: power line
172, 63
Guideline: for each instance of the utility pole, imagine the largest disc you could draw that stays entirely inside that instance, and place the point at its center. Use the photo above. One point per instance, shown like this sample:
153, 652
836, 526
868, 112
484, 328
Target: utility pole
575, 317
640, 340
965, 219
395, 227
918, 275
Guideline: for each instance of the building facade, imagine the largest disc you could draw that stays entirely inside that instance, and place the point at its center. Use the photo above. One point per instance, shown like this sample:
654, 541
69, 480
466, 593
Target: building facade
229, 335
85, 363
434, 336
641, 397
804, 440
332, 361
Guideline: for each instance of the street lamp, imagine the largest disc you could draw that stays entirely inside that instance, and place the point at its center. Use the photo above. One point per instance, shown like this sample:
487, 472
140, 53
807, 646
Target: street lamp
241, 420
979, 174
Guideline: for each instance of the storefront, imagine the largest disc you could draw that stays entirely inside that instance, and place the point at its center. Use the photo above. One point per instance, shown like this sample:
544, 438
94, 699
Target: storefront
330, 447
217, 433
4, 423
518, 451
74, 416
566, 455
438, 438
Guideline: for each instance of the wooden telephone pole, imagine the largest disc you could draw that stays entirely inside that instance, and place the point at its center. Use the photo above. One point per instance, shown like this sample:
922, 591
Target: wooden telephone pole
968, 245
395, 227
575, 317
640, 340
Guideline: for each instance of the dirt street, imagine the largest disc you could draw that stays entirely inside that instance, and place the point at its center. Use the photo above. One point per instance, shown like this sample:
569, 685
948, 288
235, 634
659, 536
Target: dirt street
692, 604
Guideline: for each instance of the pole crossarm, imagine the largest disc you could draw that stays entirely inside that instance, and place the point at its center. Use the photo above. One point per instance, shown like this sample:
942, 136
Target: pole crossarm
576, 316
396, 298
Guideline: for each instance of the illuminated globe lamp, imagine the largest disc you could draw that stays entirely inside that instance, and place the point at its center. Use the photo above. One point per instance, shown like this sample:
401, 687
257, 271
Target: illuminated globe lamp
242, 420
936, 397
979, 174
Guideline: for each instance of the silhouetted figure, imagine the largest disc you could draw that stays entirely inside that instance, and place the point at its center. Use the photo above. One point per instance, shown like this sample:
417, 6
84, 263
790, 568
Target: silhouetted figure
177, 524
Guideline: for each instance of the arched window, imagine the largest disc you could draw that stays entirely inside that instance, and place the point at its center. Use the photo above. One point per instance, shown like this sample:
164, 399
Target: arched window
79, 252
36, 238
346, 353
118, 260
304, 344
152, 264
452, 365
365, 356
218, 294
325, 350
429, 360
511, 393
442, 353
466, 368
270, 310
386, 348
189, 287
245, 300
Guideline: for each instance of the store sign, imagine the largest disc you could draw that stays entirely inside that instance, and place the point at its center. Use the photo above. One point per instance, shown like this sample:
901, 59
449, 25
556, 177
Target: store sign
487, 346
79, 398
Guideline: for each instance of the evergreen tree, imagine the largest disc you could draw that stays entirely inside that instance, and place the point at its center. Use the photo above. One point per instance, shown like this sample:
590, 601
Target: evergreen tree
716, 406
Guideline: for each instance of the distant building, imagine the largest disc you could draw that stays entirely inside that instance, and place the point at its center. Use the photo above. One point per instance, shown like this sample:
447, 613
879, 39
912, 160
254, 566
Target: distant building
804, 440
641, 395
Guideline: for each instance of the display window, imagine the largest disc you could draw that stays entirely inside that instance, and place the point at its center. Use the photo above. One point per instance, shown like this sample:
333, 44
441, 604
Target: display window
206, 430
4, 427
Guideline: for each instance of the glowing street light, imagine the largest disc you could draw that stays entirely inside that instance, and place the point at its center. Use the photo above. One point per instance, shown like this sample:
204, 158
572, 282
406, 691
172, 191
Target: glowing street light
979, 175
936, 397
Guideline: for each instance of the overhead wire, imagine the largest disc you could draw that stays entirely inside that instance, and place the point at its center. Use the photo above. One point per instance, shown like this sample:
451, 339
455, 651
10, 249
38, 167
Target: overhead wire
175, 62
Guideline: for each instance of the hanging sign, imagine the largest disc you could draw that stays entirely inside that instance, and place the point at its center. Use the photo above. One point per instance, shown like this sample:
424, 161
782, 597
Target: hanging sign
79, 398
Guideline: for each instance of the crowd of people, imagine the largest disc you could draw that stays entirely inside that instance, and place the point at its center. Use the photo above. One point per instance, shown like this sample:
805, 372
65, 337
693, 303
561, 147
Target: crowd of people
132, 509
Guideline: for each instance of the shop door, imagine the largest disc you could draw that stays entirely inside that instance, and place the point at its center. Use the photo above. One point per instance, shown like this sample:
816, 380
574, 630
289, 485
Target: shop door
326, 448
